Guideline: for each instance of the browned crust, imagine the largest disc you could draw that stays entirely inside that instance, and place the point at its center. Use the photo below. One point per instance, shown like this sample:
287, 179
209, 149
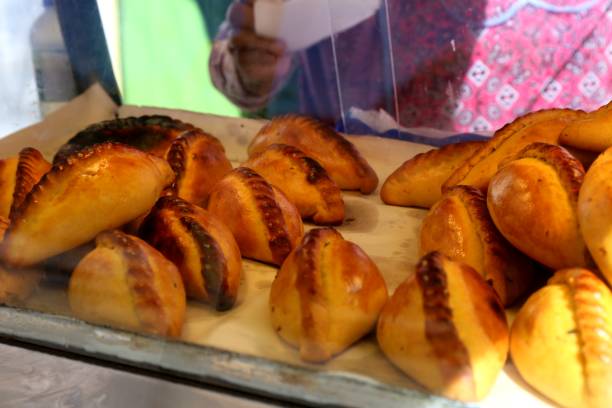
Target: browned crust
140, 279
494, 244
568, 168
315, 175
213, 265
179, 152
61, 167
31, 167
592, 325
440, 329
272, 216
500, 137
308, 285
361, 166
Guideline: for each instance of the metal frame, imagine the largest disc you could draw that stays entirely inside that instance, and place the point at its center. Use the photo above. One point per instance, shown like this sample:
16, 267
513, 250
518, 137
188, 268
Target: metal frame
210, 365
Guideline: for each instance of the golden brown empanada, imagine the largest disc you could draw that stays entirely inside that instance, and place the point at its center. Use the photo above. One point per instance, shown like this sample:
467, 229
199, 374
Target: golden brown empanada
335, 153
18, 176
541, 126
152, 134
305, 183
532, 200
459, 226
595, 212
418, 181
95, 189
592, 131
128, 284
264, 222
446, 328
202, 248
199, 162
561, 340
326, 296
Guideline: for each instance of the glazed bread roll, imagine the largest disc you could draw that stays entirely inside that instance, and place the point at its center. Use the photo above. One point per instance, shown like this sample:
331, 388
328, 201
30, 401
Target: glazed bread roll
326, 296
446, 328
126, 283
336, 154
265, 224
532, 200
303, 180
198, 161
151, 134
418, 181
459, 226
202, 248
592, 131
17, 177
95, 189
561, 340
595, 212
542, 126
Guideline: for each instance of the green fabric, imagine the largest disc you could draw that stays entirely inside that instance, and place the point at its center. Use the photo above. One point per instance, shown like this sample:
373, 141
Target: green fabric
164, 51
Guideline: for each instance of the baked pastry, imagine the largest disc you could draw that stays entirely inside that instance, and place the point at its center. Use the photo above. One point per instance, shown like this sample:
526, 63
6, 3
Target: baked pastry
532, 200
460, 227
595, 212
592, 131
17, 177
335, 153
264, 223
202, 248
199, 162
95, 189
542, 126
152, 134
326, 296
16, 286
305, 183
418, 181
561, 340
446, 328
126, 283
585, 157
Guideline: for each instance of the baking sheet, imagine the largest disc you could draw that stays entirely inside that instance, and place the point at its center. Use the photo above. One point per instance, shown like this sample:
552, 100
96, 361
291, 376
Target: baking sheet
387, 234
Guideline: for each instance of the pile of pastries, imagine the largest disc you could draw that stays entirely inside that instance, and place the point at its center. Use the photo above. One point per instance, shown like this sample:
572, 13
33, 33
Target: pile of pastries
162, 217
529, 213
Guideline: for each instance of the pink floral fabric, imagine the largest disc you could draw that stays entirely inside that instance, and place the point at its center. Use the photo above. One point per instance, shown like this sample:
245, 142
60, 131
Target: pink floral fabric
535, 60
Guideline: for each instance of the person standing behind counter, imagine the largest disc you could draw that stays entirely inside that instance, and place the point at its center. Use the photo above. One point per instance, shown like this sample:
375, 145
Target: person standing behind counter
461, 65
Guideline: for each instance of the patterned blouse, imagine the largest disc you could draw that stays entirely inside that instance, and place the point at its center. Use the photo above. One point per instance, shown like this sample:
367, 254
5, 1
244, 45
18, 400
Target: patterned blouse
464, 65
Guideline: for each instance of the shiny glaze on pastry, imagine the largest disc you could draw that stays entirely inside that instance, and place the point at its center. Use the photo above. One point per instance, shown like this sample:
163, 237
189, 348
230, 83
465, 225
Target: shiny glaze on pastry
595, 212
199, 162
418, 181
265, 224
152, 134
561, 340
541, 126
532, 200
446, 328
303, 180
459, 226
126, 283
202, 248
336, 154
592, 131
326, 296
95, 189
18, 176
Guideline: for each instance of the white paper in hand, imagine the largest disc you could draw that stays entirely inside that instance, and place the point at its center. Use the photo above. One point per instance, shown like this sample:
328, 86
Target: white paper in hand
302, 23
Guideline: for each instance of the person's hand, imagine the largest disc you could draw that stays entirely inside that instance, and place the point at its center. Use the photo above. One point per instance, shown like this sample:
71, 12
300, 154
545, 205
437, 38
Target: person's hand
260, 62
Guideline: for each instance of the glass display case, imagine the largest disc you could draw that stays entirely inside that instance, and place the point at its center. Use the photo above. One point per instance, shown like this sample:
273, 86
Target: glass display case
322, 202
